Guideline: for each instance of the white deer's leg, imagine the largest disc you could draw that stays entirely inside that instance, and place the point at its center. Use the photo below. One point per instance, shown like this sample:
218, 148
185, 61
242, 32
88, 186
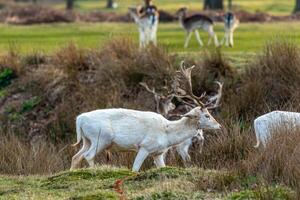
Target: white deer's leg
159, 161
153, 36
77, 158
142, 37
227, 39
212, 35
183, 150
139, 159
154, 39
149, 34
231, 39
146, 33
198, 38
224, 38
95, 148
216, 40
187, 39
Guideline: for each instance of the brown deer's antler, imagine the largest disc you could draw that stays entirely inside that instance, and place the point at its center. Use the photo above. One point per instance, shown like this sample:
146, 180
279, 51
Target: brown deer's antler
147, 88
184, 88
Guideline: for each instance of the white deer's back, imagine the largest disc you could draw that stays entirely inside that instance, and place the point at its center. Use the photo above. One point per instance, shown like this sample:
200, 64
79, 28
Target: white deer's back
124, 120
278, 118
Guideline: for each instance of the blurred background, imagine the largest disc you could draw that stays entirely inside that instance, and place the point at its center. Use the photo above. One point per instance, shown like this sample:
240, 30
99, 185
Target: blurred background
89, 23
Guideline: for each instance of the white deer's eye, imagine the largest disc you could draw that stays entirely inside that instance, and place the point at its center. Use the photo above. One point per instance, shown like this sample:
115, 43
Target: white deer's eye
207, 116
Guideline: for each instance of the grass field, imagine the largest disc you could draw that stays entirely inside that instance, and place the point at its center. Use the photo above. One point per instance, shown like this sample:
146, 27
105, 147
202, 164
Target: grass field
157, 184
249, 37
277, 7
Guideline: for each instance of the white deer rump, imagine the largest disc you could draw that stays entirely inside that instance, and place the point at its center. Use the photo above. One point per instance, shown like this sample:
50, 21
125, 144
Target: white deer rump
266, 124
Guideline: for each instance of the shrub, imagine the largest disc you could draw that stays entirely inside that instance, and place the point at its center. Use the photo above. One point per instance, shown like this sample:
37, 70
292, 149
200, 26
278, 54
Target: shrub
6, 75
270, 82
35, 59
29, 104
280, 160
18, 157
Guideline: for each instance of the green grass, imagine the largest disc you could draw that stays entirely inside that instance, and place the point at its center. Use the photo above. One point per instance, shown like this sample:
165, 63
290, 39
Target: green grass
156, 184
249, 38
277, 7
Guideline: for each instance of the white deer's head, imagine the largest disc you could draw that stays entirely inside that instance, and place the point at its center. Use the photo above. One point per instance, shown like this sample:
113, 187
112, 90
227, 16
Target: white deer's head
204, 119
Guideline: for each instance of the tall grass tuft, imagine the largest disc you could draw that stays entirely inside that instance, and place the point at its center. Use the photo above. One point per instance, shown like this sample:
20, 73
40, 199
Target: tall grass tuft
20, 157
279, 161
271, 81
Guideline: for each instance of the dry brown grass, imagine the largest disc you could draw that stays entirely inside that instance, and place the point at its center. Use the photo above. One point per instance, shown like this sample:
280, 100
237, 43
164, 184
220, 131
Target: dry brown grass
76, 80
19, 157
270, 82
279, 161
225, 149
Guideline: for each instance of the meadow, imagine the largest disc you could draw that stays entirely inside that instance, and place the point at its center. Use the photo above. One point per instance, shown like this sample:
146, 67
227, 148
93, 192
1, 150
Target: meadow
47, 38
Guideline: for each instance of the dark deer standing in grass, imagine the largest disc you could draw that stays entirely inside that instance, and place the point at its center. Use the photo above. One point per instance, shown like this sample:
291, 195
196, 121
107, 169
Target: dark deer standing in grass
194, 22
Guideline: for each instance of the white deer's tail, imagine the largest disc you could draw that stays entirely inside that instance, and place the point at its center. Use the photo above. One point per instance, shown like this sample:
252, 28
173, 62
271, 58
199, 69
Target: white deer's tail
257, 144
257, 129
78, 131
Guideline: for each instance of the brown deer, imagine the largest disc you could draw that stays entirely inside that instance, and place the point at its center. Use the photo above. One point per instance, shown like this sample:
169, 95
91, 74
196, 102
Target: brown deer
194, 22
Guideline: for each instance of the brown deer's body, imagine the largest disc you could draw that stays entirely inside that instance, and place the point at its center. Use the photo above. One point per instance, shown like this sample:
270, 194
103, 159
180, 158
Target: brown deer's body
193, 23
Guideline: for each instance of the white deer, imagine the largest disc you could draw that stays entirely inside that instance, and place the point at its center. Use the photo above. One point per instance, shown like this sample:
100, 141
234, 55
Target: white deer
230, 24
148, 133
164, 106
147, 26
265, 124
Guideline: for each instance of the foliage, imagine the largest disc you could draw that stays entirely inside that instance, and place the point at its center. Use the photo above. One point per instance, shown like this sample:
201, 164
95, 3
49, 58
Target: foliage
30, 104
6, 75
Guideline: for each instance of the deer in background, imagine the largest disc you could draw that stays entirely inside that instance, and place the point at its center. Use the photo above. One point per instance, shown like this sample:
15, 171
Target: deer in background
193, 23
230, 24
147, 22
163, 103
148, 133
